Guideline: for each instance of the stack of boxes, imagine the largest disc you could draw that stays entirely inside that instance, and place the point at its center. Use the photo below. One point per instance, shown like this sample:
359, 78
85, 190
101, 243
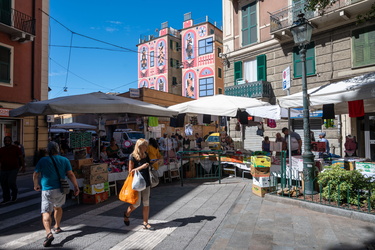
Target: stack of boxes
260, 170
77, 166
96, 187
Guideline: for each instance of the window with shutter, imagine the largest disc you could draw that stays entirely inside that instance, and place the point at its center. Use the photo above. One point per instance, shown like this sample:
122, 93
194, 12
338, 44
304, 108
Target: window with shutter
310, 61
5, 64
363, 49
237, 71
262, 67
249, 24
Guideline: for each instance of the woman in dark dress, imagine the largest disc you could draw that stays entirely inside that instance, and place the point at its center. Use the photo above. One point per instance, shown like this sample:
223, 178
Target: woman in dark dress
139, 161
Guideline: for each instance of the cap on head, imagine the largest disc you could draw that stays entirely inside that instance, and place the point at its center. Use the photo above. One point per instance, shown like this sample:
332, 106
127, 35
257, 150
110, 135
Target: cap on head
322, 134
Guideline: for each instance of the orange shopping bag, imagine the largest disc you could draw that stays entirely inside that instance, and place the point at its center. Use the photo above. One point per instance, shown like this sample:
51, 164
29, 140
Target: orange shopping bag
127, 194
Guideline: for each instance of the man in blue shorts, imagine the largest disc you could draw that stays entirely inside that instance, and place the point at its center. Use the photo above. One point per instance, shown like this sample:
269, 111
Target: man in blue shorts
52, 197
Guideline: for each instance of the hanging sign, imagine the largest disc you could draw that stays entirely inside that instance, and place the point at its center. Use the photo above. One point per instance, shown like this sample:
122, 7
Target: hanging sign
286, 78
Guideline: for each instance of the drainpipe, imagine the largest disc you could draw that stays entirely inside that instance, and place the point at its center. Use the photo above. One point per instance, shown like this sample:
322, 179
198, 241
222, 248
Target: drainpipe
33, 96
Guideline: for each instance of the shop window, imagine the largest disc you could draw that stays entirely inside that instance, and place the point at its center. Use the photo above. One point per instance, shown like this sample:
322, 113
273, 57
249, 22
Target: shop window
249, 24
206, 87
5, 64
310, 61
205, 46
363, 46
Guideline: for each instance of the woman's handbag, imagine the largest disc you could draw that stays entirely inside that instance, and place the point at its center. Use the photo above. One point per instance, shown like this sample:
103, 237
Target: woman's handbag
154, 177
64, 185
127, 194
139, 182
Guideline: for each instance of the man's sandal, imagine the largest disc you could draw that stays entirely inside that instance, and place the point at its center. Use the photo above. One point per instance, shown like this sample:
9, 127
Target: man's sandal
56, 230
49, 238
148, 227
126, 219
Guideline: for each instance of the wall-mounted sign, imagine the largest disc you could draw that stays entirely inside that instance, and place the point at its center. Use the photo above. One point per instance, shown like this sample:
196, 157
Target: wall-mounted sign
134, 92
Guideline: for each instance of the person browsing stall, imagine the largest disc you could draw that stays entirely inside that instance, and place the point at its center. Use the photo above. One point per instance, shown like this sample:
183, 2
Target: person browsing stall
112, 149
154, 153
295, 141
140, 161
322, 138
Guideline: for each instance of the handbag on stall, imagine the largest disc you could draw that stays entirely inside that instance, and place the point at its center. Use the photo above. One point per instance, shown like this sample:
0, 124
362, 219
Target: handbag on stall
139, 182
64, 185
127, 194
154, 177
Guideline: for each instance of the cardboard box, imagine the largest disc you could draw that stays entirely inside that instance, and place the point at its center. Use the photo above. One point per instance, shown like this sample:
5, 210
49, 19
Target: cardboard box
263, 181
95, 178
95, 169
77, 164
94, 198
96, 188
367, 167
348, 165
261, 161
297, 163
261, 191
260, 171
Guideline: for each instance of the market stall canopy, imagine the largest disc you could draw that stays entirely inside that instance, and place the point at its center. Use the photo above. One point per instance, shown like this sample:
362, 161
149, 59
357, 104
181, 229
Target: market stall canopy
74, 125
92, 103
274, 112
357, 88
58, 130
221, 105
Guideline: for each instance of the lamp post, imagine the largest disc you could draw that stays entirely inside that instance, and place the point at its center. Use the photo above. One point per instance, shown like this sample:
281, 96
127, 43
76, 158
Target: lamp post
302, 31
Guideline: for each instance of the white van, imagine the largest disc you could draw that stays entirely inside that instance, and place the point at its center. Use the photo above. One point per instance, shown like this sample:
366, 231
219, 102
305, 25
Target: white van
126, 138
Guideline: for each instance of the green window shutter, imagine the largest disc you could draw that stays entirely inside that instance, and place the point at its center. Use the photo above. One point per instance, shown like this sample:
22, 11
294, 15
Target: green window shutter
262, 67
237, 71
363, 46
5, 64
5, 10
249, 24
310, 61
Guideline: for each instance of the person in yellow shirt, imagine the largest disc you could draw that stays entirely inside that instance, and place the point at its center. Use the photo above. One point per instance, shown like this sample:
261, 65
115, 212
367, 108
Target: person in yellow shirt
153, 152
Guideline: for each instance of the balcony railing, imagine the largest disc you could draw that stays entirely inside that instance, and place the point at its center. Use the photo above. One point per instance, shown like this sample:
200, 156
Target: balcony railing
18, 20
258, 89
285, 17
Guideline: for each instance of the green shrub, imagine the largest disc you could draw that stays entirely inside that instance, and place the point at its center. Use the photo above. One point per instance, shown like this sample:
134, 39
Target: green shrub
337, 182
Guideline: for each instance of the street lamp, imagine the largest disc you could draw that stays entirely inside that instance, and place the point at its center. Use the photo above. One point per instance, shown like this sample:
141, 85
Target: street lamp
302, 31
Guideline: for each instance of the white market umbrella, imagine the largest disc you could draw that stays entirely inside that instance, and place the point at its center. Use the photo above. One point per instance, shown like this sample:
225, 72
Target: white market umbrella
92, 103
274, 112
73, 125
220, 105
357, 88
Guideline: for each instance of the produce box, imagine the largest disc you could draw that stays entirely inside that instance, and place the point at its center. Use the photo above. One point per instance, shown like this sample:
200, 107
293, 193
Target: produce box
94, 198
348, 165
261, 161
260, 171
95, 178
261, 191
96, 188
95, 169
77, 164
368, 167
263, 181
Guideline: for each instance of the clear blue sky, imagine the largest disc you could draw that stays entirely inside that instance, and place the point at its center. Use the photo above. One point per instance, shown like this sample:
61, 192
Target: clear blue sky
82, 57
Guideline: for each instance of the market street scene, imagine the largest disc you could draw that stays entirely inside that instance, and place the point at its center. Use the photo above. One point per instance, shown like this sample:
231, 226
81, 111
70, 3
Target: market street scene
228, 124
